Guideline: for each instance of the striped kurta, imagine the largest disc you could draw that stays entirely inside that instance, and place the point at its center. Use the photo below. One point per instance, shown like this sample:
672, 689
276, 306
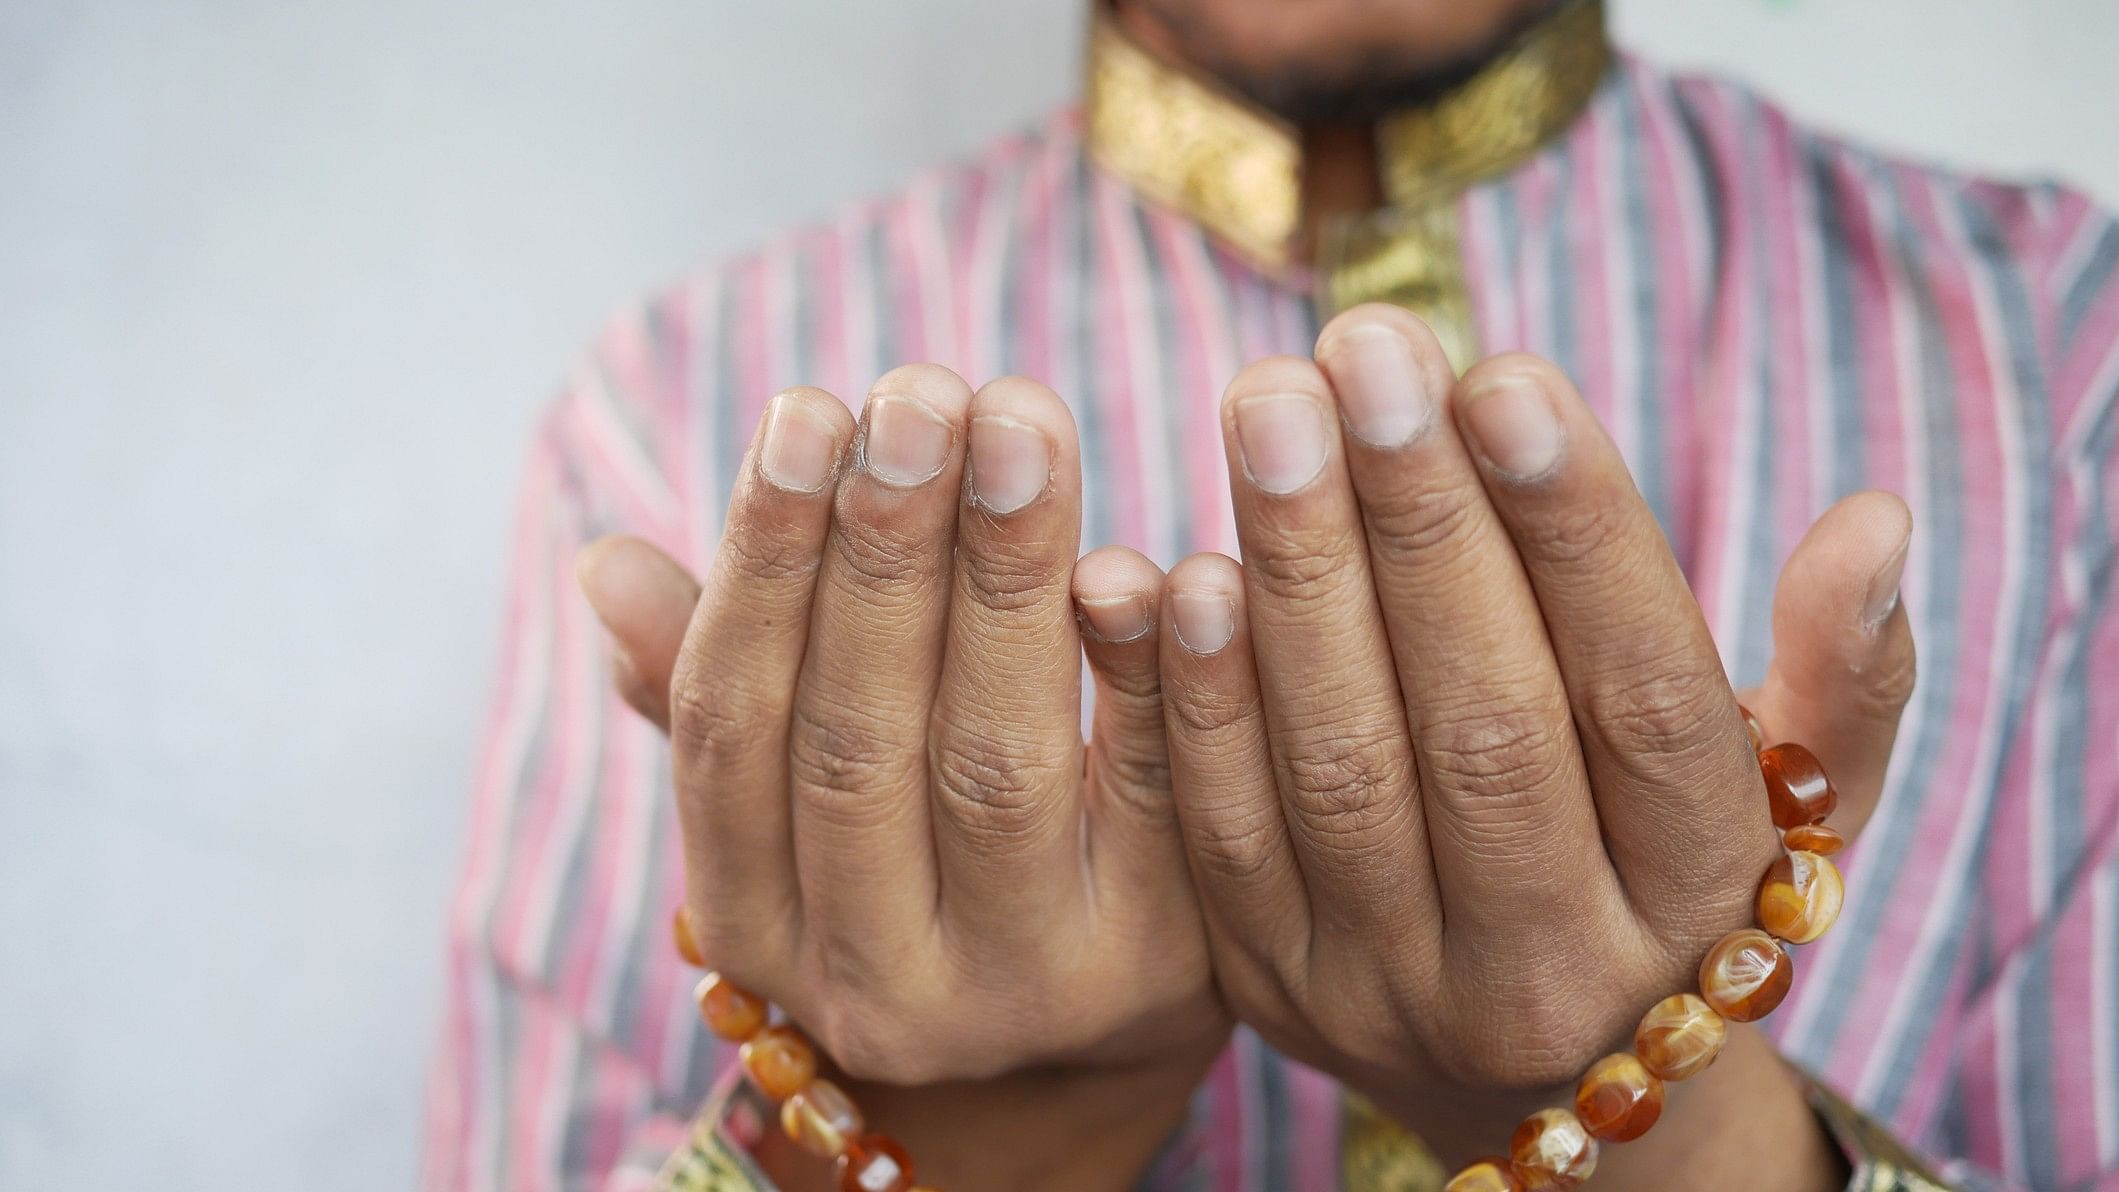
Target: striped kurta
1765, 318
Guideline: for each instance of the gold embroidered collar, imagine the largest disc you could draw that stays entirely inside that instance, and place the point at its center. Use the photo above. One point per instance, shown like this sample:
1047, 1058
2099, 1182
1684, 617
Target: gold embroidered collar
1186, 141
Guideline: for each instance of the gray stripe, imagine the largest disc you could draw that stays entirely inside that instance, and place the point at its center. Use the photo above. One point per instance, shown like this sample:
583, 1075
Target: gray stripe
882, 300
1843, 436
575, 1133
2088, 285
1168, 401
1752, 617
1639, 243
726, 409
1080, 265
1563, 287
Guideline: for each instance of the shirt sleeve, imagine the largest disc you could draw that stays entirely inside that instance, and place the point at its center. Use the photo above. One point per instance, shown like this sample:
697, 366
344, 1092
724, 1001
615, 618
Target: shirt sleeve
570, 1054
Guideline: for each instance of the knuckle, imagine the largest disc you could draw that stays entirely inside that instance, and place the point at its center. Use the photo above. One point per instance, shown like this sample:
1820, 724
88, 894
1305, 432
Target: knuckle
1010, 576
1138, 779
1296, 563
1207, 715
710, 718
1135, 690
764, 551
881, 558
993, 788
1573, 533
1887, 686
1495, 753
839, 756
1664, 707
1348, 788
1422, 521
1236, 847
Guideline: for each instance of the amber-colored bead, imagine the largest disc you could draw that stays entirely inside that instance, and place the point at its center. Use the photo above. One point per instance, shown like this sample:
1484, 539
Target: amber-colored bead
1619, 1098
1753, 728
1800, 897
1813, 838
1679, 1037
779, 1061
821, 1119
732, 1013
1745, 975
874, 1163
1796, 786
1552, 1152
1486, 1175
681, 935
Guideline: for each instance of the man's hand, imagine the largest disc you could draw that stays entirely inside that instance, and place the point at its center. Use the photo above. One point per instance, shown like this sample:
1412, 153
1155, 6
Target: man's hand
891, 824
1463, 786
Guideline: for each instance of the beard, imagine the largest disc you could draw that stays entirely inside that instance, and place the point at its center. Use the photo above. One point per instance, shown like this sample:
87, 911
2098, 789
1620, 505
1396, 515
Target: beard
1360, 86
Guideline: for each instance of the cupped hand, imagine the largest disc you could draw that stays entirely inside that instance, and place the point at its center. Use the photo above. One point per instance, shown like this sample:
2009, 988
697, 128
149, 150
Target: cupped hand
892, 825
1462, 783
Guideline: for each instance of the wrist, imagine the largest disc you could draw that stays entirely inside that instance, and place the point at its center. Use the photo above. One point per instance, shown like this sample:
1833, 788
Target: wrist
1079, 1129
1744, 1122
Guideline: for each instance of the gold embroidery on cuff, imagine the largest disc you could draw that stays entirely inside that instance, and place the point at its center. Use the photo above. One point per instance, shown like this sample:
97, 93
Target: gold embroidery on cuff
1881, 1163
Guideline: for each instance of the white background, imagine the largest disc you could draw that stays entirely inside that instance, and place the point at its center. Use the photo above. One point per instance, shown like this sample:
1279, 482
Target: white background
281, 288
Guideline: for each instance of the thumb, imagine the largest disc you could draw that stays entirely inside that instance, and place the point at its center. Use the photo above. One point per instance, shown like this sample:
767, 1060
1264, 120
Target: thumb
1843, 663
645, 598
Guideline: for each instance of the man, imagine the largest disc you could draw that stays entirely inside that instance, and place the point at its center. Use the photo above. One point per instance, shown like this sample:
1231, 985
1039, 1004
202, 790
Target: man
1439, 787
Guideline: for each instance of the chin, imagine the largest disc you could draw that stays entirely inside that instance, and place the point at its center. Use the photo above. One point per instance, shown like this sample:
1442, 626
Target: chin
1308, 55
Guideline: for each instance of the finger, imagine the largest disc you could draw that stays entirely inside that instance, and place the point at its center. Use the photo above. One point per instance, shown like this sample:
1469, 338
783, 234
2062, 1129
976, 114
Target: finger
1337, 719
1005, 753
858, 747
730, 692
1676, 785
1237, 843
1843, 658
1514, 833
645, 599
1132, 829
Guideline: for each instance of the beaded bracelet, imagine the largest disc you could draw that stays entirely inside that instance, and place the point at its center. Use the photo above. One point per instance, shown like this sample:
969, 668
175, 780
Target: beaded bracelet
781, 1065
1745, 975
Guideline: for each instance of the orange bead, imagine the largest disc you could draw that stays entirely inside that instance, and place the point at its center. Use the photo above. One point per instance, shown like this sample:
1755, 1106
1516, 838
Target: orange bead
732, 1013
821, 1119
1813, 838
1679, 1037
1552, 1152
874, 1163
1745, 975
1796, 786
681, 935
1800, 898
1486, 1175
779, 1061
1619, 1098
1753, 728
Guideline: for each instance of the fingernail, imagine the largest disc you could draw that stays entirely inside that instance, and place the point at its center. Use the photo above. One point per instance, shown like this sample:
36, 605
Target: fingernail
1882, 599
1281, 437
904, 443
1117, 619
1011, 463
1380, 389
1204, 621
798, 451
1511, 421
